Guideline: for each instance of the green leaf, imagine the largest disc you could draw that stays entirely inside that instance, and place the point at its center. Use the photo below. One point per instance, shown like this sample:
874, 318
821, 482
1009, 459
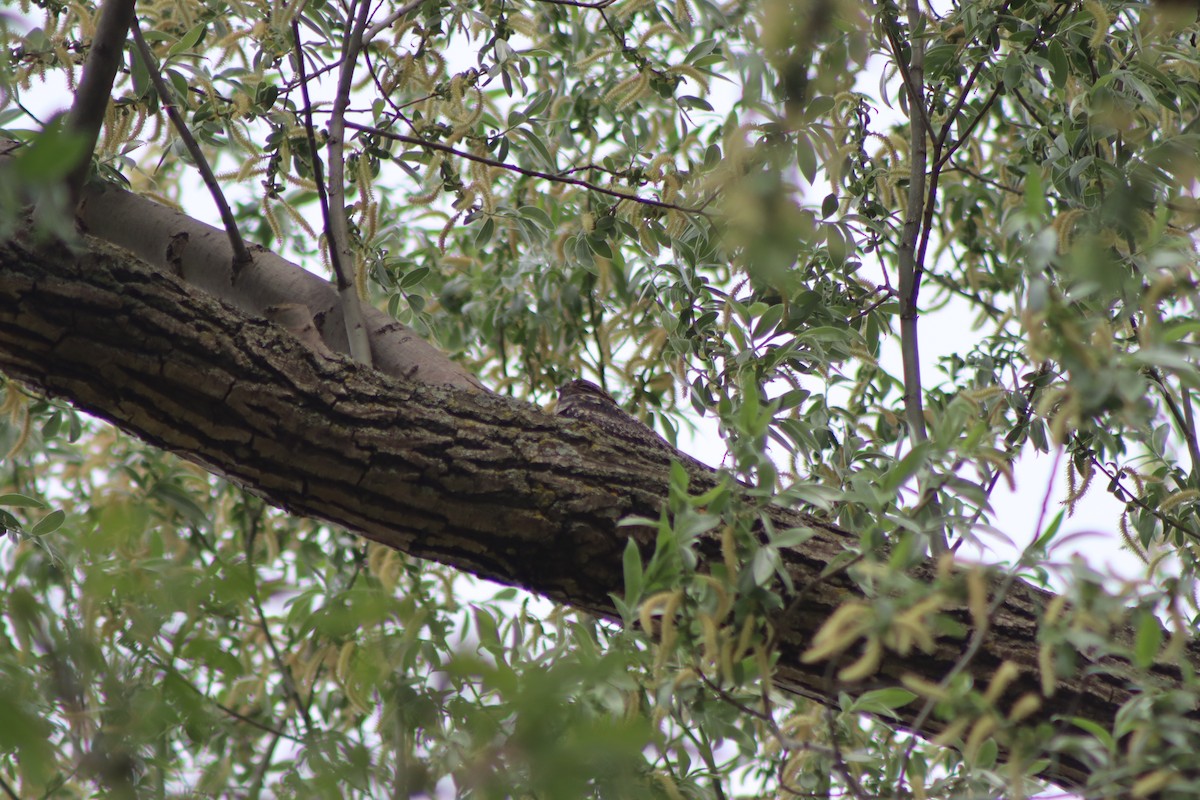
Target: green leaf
25, 732
486, 628
819, 106
537, 216
484, 235
792, 537
700, 50
189, 40
539, 146
540, 101
1147, 641
689, 524
1100, 733
8, 522
1051, 531
985, 756
10, 115
265, 96
679, 478
763, 565
213, 656
829, 205
599, 246
414, 277
631, 563
767, 323
691, 101
711, 496
806, 158
1013, 71
180, 85
1175, 333
49, 523
882, 701
50, 155
20, 501
179, 499
1035, 195
904, 469
1058, 63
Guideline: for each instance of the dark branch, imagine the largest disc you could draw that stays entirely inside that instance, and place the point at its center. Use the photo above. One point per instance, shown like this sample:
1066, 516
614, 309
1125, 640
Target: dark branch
491, 162
95, 87
241, 255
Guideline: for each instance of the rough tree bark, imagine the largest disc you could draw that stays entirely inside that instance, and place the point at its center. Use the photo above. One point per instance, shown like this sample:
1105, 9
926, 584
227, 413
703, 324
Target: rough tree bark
490, 485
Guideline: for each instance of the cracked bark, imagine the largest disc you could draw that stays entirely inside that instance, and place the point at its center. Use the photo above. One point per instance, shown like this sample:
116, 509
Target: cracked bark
484, 483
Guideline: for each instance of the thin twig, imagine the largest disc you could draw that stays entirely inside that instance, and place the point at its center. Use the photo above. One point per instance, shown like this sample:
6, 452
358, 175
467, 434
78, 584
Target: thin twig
785, 742
1186, 429
616, 173
766, 717
943, 153
577, 4
918, 224
314, 154
1029, 109
533, 173
95, 87
1123, 494
1048, 23
597, 315
960, 102
1013, 448
1183, 418
285, 672
980, 633
262, 726
379, 27
241, 255
16, 98
946, 154
264, 767
957, 167
839, 762
397, 109
301, 77
704, 748
1190, 420
337, 230
887, 295
906, 76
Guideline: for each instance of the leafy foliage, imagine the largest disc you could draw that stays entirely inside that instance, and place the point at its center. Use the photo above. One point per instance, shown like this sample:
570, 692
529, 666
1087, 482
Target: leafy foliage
656, 195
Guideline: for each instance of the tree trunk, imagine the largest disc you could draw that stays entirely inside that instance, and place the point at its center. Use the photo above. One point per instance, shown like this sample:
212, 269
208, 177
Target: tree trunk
484, 483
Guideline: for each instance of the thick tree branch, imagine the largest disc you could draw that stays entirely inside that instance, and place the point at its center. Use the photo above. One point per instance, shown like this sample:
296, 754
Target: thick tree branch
487, 484
201, 255
911, 270
95, 88
333, 197
911, 254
